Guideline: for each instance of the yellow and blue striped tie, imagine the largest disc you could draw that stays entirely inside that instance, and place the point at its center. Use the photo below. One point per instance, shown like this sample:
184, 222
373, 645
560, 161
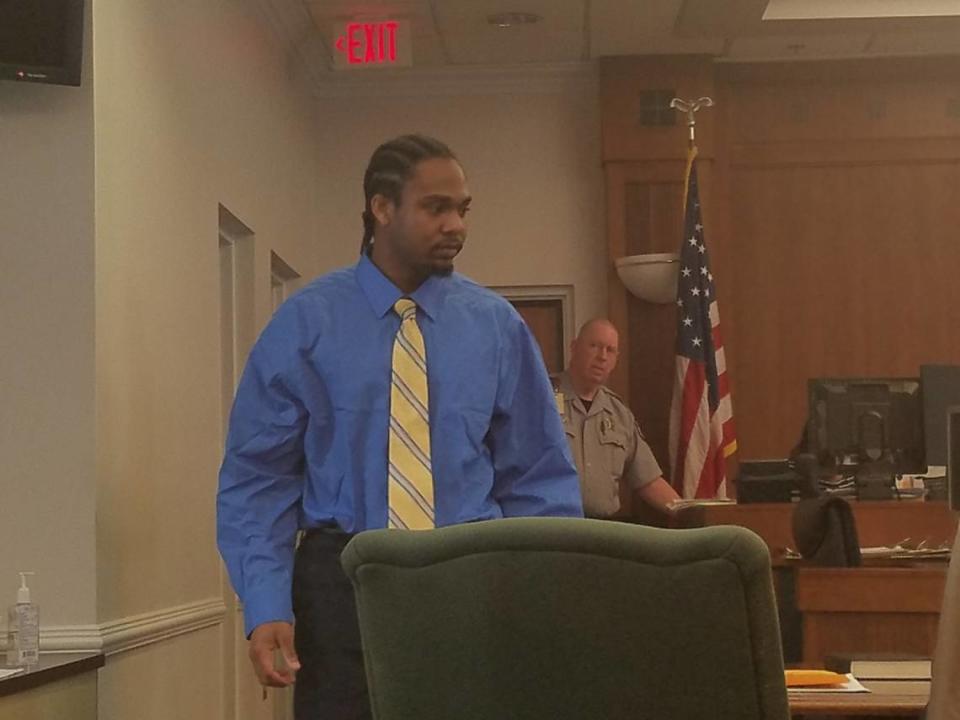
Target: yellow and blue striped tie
410, 493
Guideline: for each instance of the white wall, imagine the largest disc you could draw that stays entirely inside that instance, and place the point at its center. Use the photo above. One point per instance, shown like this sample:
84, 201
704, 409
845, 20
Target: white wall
46, 348
530, 144
193, 108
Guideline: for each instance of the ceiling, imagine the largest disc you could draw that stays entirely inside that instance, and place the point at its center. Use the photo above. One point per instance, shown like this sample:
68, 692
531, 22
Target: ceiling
457, 33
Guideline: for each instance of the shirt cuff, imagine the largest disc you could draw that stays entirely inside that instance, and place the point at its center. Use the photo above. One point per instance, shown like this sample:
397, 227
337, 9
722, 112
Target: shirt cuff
266, 604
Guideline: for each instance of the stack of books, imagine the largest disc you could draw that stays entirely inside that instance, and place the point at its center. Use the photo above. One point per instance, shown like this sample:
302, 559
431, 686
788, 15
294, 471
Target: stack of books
885, 673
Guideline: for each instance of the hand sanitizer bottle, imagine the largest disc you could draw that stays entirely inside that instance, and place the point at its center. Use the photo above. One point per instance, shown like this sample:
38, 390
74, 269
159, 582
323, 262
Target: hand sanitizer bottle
23, 628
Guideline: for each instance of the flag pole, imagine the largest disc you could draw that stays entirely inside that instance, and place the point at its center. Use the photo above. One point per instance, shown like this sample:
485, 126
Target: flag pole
702, 434
691, 107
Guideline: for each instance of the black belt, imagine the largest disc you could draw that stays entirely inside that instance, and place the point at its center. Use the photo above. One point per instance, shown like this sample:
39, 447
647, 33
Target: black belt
325, 530
325, 539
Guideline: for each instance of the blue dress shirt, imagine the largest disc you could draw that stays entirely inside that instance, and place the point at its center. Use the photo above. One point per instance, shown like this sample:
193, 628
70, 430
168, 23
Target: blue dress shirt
307, 444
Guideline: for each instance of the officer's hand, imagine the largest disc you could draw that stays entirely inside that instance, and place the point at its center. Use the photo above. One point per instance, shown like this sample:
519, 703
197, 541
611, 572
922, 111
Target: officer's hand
264, 640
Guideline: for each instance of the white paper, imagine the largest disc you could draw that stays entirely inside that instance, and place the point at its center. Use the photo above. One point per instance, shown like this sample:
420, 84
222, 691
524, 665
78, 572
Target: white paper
851, 685
4, 673
692, 502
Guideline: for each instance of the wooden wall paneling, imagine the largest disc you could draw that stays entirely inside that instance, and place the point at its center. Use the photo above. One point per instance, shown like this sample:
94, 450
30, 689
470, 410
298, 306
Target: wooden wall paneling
654, 219
645, 217
622, 79
617, 295
720, 242
840, 193
846, 152
829, 201
828, 633
864, 610
850, 275
857, 101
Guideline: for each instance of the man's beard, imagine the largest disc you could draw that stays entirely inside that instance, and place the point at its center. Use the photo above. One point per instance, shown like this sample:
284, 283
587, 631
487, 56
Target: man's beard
438, 268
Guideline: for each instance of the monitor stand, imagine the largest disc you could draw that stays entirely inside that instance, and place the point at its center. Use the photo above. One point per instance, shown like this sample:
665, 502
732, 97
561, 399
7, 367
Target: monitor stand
875, 481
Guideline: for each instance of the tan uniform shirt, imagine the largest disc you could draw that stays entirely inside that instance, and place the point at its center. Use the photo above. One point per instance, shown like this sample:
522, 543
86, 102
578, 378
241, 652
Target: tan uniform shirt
607, 447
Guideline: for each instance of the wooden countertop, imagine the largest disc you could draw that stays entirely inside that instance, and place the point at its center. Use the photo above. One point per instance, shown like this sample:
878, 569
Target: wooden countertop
873, 703
52, 667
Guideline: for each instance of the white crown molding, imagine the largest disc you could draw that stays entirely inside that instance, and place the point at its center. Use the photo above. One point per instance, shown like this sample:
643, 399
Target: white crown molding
460, 80
134, 631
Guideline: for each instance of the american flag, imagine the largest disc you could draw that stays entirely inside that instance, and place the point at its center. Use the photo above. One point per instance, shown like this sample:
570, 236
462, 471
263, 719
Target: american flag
701, 417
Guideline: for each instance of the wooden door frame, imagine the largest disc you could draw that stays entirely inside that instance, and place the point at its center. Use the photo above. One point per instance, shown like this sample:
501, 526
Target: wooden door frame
563, 293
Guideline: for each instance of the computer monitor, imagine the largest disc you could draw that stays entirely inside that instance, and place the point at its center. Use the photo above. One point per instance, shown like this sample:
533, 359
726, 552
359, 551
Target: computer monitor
940, 387
858, 421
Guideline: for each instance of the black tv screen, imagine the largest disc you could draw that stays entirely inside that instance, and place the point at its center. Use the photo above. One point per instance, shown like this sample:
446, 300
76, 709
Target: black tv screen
41, 40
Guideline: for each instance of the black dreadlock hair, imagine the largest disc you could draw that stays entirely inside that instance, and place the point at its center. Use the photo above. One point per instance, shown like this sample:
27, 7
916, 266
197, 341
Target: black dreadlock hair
391, 165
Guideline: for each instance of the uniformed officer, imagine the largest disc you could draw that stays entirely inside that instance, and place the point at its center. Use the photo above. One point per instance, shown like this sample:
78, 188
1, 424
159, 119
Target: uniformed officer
606, 442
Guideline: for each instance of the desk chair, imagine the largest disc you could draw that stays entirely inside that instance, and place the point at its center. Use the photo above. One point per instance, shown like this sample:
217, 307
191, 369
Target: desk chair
556, 619
825, 532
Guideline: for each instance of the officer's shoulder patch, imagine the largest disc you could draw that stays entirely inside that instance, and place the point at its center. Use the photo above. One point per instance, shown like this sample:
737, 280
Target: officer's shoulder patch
620, 408
614, 395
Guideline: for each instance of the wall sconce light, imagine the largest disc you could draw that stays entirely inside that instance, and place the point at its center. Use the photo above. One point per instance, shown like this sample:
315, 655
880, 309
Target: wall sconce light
651, 277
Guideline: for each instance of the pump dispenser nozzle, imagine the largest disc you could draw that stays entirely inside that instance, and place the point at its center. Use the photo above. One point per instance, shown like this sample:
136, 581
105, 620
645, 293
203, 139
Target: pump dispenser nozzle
23, 592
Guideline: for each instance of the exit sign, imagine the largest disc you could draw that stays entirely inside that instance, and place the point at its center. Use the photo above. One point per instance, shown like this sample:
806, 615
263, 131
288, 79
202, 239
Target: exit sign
372, 44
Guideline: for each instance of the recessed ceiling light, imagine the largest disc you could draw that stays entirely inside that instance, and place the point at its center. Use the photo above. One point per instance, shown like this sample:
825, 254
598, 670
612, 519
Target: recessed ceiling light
512, 19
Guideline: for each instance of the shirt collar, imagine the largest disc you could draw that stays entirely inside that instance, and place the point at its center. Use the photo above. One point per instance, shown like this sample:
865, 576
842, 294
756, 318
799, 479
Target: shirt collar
601, 401
382, 293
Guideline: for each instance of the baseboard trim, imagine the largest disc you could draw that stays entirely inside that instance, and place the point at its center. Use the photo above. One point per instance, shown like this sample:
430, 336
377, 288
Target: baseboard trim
133, 631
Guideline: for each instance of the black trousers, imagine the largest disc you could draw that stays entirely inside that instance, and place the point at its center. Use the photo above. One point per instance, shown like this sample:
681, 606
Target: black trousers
331, 683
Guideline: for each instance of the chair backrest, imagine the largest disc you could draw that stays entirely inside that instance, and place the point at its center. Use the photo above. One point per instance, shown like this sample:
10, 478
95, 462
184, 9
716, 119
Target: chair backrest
566, 618
825, 531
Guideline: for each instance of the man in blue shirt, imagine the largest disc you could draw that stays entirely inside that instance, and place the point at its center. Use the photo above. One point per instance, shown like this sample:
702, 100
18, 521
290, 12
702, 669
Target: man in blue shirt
308, 441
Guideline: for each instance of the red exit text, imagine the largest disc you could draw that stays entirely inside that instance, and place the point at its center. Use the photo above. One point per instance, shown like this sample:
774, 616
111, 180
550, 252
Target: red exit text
372, 43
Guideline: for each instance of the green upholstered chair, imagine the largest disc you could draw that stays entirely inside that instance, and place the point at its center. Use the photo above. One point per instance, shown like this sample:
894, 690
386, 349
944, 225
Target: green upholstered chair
549, 618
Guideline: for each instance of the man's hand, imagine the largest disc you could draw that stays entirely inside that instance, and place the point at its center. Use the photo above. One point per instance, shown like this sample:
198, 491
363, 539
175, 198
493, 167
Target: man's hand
264, 640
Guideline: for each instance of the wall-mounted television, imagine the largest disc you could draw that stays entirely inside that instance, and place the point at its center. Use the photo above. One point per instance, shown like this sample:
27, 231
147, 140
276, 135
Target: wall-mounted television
41, 41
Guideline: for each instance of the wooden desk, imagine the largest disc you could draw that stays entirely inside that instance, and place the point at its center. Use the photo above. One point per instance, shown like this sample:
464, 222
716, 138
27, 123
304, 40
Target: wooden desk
834, 612
869, 609
871, 704
878, 522
62, 685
